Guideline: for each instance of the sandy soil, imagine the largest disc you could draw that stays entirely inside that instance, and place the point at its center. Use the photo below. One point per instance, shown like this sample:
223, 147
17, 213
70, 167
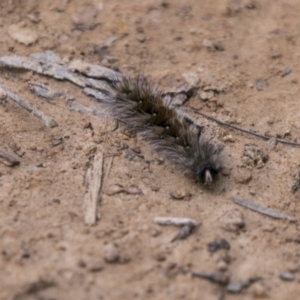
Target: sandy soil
243, 51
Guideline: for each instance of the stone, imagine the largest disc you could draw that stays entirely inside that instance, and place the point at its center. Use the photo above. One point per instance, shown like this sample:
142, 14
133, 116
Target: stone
234, 287
242, 176
22, 35
232, 220
111, 253
287, 276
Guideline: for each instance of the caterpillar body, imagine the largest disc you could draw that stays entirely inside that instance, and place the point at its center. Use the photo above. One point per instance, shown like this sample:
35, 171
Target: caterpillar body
140, 105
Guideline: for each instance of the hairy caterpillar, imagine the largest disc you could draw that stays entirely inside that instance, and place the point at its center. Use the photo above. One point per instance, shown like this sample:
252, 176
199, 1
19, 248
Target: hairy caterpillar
140, 106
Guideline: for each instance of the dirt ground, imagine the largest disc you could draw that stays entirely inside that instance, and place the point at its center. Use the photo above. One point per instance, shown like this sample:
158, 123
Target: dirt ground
245, 58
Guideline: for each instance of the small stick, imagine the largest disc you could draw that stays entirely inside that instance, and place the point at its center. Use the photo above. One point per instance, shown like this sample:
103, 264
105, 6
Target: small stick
106, 174
8, 159
263, 210
92, 197
215, 277
184, 232
93, 71
244, 130
187, 226
29, 107
174, 221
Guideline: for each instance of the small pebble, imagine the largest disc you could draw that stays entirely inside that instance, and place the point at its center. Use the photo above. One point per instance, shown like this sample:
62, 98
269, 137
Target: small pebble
136, 149
234, 287
243, 176
287, 276
191, 78
193, 30
222, 266
95, 267
228, 138
258, 290
88, 125
56, 142
114, 189
159, 255
232, 220
22, 34
206, 95
268, 228
254, 156
208, 44
81, 264
250, 4
252, 190
154, 232
34, 17
90, 150
129, 155
98, 132
224, 257
134, 190
85, 19
155, 188
260, 164
261, 84
165, 4
219, 47
218, 245
159, 161
225, 171
271, 143
111, 253
98, 140
141, 37
180, 194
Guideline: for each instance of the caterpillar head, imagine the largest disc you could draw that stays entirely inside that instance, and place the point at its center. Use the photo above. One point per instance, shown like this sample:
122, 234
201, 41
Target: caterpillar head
208, 173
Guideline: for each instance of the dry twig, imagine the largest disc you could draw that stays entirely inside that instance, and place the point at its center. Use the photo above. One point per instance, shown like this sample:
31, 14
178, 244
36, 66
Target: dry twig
174, 221
244, 130
92, 197
263, 210
215, 277
29, 107
187, 226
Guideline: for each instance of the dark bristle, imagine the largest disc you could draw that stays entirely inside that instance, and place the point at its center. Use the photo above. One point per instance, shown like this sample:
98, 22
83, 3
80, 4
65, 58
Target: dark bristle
139, 104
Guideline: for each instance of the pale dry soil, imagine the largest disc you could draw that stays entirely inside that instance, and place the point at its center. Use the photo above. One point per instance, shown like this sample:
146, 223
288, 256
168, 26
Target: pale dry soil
46, 250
